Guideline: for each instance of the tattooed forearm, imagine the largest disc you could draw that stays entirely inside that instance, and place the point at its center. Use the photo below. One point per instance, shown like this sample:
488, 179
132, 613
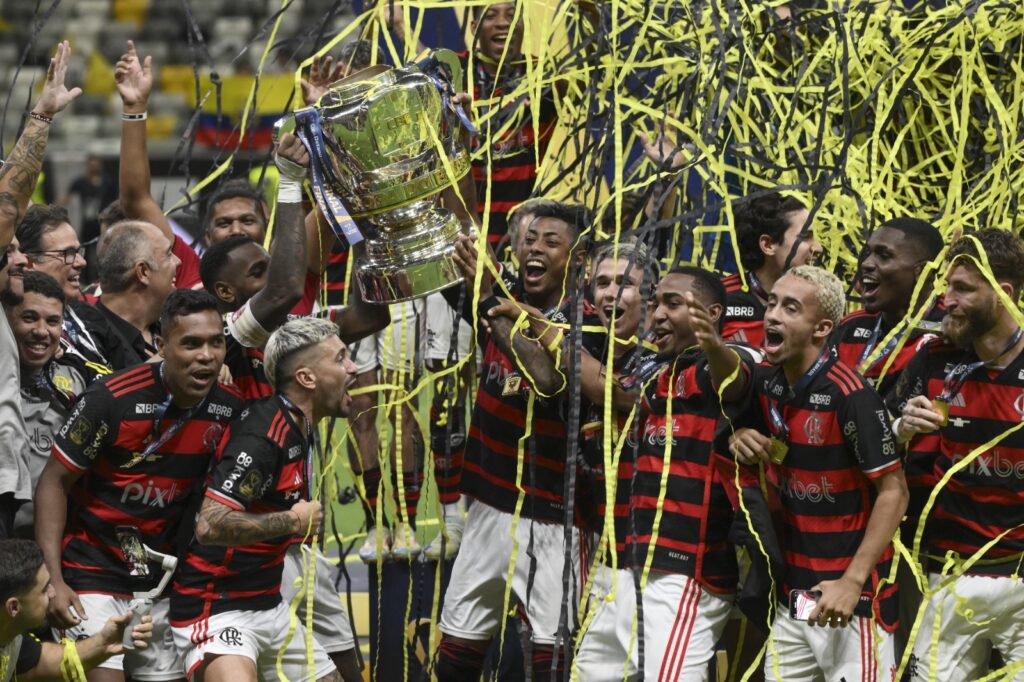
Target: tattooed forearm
18, 176
528, 355
218, 524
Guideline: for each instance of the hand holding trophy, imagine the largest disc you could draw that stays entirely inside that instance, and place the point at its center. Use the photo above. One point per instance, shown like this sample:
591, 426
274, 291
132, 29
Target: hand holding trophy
383, 144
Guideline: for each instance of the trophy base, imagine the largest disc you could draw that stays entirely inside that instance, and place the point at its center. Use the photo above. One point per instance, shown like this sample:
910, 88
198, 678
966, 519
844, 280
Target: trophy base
385, 285
410, 262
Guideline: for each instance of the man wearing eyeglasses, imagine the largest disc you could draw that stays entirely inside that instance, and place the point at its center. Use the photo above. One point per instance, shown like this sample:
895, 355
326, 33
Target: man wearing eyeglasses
52, 247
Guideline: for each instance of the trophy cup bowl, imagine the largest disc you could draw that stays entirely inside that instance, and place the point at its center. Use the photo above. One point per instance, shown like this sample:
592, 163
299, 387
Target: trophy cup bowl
388, 143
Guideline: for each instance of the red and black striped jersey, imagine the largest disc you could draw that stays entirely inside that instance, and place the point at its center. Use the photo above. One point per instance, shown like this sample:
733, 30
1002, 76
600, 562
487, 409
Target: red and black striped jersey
310, 296
985, 498
679, 430
262, 467
246, 367
839, 440
498, 424
861, 333
743, 321
105, 439
512, 155
337, 274
592, 503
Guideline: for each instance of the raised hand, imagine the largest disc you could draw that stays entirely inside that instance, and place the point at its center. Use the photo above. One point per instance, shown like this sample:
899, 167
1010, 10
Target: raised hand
321, 75
702, 325
134, 79
664, 151
291, 157
55, 96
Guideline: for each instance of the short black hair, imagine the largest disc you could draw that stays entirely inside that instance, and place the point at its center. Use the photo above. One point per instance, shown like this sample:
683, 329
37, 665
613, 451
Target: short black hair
112, 213
20, 561
359, 54
575, 216
706, 284
766, 214
36, 282
183, 302
925, 236
215, 258
1003, 249
39, 220
233, 189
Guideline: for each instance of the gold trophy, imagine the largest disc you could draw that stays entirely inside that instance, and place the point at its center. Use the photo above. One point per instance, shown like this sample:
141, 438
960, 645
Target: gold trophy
383, 144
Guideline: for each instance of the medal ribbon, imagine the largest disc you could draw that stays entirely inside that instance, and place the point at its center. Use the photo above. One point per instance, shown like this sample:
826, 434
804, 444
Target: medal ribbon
954, 381
779, 427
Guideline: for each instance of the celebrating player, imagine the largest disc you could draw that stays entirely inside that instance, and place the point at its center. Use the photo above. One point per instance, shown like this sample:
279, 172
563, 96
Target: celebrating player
135, 447
841, 485
966, 391
228, 616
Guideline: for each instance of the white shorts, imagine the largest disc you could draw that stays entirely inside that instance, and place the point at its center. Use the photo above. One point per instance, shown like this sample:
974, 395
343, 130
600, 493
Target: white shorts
960, 648
682, 623
331, 625
475, 596
441, 321
395, 348
803, 652
260, 636
159, 661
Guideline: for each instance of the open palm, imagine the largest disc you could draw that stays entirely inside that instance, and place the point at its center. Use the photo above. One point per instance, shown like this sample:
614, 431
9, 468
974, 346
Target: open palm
134, 78
55, 95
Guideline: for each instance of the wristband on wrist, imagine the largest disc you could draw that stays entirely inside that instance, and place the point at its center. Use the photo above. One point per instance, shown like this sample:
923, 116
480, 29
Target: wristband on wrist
289, 191
42, 118
486, 305
125, 116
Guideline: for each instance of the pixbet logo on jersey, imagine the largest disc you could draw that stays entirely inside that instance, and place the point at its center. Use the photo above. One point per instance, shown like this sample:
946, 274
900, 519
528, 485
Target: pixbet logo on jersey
994, 463
151, 495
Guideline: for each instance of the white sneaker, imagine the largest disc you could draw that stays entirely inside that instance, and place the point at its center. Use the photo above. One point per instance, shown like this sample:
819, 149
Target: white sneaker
377, 546
454, 522
404, 546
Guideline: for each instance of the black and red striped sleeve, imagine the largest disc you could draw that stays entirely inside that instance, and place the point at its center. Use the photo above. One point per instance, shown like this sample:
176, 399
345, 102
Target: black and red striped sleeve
864, 421
90, 429
247, 467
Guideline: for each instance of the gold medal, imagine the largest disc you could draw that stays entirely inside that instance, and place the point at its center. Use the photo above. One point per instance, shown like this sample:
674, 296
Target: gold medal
779, 450
512, 385
941, 406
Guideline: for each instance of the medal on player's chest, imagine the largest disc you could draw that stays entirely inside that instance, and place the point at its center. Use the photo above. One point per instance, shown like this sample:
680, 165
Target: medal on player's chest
779, 449
512, 385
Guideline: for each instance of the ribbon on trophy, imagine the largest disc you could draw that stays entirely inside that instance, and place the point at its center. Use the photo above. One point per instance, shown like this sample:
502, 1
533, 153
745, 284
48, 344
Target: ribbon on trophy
430, 66
310, 133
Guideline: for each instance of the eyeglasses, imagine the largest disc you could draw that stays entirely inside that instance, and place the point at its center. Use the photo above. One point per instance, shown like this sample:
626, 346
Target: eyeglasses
67, 255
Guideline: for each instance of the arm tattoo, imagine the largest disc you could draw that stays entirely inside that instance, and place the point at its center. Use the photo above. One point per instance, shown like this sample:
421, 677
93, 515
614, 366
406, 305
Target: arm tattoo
18, 176
218, 524
529, 356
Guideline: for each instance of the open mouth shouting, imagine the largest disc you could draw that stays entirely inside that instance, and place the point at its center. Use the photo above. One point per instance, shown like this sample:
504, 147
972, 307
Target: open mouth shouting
201, 380
534, 270
869, 286
773, 340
